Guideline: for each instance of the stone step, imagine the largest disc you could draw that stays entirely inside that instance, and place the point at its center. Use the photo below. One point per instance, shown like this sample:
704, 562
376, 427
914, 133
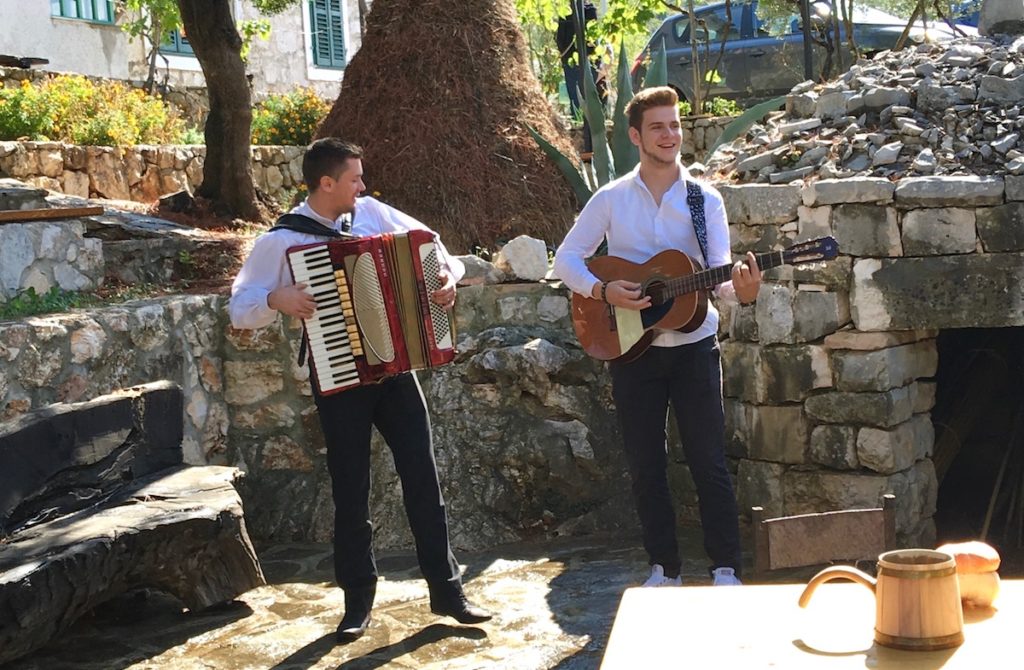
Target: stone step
19, 195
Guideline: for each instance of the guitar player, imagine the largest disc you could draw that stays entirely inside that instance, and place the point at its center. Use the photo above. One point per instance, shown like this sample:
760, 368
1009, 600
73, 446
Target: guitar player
656, 207
333, 172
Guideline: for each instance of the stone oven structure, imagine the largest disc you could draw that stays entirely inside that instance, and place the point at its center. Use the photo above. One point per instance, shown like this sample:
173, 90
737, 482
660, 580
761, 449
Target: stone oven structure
913, 162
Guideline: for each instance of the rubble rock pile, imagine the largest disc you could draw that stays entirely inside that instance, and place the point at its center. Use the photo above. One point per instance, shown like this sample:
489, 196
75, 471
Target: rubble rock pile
950, 109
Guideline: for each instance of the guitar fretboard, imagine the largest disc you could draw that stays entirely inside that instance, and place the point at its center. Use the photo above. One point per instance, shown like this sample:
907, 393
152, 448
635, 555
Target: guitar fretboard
712, 277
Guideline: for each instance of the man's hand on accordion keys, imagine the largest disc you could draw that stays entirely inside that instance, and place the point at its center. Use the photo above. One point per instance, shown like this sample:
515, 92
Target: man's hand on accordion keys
445, 296
292, 300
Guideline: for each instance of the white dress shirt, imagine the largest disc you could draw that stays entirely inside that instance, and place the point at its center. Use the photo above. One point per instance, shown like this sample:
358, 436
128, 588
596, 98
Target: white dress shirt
266, 268
638, 228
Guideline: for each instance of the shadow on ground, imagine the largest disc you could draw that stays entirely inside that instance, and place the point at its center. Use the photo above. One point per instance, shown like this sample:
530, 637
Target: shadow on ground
554, 605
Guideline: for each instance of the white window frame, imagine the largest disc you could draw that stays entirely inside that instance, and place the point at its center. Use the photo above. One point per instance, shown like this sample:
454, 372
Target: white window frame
313, 71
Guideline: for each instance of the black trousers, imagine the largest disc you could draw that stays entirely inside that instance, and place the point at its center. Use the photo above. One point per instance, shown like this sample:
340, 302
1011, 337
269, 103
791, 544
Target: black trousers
397, 408
689, 377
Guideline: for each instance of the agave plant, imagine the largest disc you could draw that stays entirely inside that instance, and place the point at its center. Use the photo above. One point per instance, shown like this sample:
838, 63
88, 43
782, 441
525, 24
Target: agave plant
612, 159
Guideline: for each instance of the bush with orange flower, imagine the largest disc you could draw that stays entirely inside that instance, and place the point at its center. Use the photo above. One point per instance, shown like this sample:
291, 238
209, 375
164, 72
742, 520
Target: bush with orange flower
289, 119
71, 108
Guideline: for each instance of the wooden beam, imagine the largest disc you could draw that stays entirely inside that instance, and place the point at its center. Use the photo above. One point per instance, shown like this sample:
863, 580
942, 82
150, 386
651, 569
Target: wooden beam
20, 215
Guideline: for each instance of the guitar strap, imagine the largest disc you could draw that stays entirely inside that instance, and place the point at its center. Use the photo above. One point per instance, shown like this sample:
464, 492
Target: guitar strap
300, 223
695, 201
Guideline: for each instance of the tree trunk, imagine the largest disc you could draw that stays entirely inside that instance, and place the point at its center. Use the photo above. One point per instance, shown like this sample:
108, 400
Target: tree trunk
439, 96
227, 170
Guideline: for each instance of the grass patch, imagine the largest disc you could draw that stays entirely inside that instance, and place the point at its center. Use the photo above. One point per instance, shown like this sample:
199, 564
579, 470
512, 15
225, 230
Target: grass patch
30, 303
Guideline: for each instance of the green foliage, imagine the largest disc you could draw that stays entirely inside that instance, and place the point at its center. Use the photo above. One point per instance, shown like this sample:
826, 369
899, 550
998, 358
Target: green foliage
609, 160
714, 107
144, 17
740, 124
569, 171
627, 22
28, 303
192, 135
249, 30
289, 119
74, 109
271, 7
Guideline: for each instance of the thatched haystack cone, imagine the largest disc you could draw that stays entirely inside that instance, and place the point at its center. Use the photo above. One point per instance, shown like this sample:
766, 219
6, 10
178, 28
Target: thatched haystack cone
439, 96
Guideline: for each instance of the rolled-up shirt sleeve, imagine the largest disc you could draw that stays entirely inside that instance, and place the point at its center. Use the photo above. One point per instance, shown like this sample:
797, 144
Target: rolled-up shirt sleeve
580, 243
264, 270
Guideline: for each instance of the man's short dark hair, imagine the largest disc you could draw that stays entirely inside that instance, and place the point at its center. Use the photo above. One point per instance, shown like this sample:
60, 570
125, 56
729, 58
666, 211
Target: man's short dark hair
327, 157
648, 98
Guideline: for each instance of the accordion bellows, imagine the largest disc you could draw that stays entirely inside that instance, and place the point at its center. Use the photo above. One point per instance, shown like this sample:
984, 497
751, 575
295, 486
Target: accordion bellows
374, 316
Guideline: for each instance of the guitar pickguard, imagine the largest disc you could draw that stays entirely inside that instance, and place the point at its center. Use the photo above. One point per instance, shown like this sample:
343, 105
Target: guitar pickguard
655, 313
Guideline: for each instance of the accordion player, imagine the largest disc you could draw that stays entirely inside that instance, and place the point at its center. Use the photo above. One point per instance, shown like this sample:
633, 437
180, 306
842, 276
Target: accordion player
374, 314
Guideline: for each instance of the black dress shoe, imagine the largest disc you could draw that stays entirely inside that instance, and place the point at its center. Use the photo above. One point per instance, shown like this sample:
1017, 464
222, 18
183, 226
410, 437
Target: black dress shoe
358, 603
352, 626
458, 608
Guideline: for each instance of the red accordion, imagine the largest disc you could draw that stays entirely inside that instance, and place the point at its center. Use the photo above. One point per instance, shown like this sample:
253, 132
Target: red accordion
374, 314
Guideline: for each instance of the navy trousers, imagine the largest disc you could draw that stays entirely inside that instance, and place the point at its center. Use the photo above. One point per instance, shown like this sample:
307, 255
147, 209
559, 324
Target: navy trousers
397, 408
690, 378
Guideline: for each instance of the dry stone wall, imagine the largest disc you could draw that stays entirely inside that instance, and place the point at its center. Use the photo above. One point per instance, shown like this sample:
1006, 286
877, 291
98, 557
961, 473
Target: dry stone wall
41, 255
524, 435
829, 375
142, 173
829, 378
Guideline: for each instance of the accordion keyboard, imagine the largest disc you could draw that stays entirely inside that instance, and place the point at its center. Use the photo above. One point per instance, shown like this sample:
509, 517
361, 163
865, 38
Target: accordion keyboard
330, 330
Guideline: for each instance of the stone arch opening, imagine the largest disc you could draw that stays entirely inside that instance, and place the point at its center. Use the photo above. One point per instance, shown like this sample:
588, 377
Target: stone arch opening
979, 439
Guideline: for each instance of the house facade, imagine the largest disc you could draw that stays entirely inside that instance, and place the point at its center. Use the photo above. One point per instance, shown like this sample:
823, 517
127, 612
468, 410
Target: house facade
310, 43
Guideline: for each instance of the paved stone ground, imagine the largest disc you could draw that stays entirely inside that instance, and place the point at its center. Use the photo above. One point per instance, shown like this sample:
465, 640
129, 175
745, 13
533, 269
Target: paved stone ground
555, 603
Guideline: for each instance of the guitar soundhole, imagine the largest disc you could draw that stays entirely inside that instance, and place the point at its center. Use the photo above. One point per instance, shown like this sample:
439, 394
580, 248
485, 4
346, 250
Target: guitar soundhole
656, 289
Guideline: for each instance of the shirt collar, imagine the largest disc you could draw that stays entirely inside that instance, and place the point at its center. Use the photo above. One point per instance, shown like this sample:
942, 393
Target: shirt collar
306, 210
684, 175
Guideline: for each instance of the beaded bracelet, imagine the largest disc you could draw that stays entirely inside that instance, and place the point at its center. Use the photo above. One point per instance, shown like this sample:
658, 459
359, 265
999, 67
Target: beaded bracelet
604, 291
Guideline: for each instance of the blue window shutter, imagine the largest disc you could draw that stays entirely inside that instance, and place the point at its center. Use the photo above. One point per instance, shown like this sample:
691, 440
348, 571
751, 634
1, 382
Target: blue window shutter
337, 33
328, 33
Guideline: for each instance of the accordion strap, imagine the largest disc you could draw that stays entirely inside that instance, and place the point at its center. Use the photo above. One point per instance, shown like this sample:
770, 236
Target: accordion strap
300, 223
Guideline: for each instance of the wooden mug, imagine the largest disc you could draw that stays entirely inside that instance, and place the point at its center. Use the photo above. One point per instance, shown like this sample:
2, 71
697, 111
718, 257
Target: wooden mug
917, 598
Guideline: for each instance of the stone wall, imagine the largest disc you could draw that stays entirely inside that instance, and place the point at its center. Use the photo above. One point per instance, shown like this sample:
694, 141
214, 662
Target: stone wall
44, 254
523, 430
829, 376
142, 173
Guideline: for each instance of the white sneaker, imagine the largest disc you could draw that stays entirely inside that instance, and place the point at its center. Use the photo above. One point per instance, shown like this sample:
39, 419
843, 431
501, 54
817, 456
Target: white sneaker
726, 577
658, 578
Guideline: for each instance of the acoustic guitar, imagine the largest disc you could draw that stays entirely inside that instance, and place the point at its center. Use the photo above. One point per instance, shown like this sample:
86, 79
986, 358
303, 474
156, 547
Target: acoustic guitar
678, 286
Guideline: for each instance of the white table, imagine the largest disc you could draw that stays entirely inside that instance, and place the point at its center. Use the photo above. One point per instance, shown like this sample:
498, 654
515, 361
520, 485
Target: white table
754, 627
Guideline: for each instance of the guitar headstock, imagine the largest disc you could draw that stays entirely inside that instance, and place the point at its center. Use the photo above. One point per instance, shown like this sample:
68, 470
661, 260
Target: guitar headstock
820, 249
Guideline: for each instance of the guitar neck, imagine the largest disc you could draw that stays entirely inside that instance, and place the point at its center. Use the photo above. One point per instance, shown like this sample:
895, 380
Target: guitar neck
712, 277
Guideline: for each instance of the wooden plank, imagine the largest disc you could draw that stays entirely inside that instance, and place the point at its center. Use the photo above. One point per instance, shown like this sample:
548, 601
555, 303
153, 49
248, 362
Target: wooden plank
20, 215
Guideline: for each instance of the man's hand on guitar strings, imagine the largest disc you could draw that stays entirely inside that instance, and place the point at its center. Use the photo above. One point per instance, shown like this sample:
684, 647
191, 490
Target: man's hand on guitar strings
292, 300
746, 278
622, 293
445, 296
